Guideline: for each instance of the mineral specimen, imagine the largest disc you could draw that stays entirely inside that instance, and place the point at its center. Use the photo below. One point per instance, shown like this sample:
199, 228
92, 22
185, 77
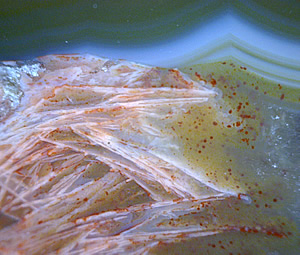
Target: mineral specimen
108, 157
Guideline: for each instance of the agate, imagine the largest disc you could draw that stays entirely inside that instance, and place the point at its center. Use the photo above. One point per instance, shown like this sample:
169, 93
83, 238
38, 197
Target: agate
102, 156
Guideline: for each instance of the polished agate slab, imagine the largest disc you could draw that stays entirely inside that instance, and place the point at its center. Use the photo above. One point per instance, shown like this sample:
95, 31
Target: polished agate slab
102, 156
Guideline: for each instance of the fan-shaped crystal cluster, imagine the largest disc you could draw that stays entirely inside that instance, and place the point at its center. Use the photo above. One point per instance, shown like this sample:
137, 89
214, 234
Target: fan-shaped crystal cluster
107, 157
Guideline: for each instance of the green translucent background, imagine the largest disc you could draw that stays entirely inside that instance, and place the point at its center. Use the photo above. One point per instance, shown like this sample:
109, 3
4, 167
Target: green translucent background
30, 26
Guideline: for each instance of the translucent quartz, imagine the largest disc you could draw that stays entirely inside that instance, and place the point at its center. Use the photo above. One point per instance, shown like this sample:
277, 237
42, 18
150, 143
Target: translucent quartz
104, 156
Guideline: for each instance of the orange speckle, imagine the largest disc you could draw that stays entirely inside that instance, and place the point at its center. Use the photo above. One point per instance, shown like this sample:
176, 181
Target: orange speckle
213, 82
198, 75
239, 107
282, 97
243, 229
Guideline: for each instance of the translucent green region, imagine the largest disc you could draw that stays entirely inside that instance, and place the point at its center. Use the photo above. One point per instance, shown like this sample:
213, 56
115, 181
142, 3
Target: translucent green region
288, 9
101, 22
270, 167
237, 73
269, 115
281, 16
32, 24
230, 243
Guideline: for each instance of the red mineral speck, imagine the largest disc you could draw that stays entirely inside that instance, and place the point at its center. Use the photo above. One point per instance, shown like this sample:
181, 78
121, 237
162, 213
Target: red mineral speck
213, 82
